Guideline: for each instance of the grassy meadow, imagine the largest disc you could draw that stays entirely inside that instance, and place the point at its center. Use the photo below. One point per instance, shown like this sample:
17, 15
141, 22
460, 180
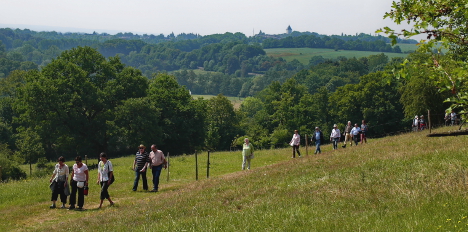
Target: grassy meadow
407, 182
303, 55
236, 101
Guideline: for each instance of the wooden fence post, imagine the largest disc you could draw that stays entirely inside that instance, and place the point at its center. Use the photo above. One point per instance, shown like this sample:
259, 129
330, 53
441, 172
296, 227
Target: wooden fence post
196, 165
208, 166
86, 159
307, 145
168, 166
429, 119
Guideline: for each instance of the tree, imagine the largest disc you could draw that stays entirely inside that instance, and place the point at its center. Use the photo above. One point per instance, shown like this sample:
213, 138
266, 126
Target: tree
8, 95
444, 23
420, 93
181, 118
10, 167
136, 122
374, 99
70, 100
222, 123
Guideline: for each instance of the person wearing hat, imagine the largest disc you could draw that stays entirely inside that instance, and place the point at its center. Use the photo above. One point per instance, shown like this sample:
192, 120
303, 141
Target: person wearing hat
335, 136
415, 123
317, 137
140, 163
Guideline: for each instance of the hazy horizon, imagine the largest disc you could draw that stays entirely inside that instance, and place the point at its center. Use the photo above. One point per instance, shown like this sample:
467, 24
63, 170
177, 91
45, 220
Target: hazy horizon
113, 32
204, 17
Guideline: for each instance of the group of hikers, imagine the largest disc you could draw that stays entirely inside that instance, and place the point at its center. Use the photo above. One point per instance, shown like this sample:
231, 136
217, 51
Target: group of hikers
351, 134
155, 160
419, 123
451, 119
61, 181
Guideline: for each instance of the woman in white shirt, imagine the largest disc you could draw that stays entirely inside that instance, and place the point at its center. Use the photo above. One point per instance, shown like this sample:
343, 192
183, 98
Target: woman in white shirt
335, 136
105, 173
59, 181
295, 142
79, 180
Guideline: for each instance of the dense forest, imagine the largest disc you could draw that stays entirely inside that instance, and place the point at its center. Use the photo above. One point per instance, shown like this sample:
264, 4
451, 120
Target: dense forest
73, 94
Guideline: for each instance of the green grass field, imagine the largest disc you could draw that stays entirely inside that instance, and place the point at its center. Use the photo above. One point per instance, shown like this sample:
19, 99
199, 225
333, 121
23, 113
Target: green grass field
236, 101
408, 182
303, 55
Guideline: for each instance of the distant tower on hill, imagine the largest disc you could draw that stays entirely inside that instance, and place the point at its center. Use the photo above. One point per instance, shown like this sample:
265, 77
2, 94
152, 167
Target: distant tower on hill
288, 30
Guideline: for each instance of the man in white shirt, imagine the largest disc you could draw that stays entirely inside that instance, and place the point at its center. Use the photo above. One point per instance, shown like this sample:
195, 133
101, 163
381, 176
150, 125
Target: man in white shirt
158, 161
415, 123
453, 117
355, 132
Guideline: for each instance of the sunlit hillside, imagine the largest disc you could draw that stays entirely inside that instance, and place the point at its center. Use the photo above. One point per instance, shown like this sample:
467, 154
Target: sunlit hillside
400, 183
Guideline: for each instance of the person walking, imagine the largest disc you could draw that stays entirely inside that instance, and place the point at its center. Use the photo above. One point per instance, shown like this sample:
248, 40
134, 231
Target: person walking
347, 134
355, 132
447, 119
79, 180
158, 161
422, 123
59, 183
295, 142
139, 166
105, 173
453, 117
247, 153
335, 136
317, 138
415, 124
364, 129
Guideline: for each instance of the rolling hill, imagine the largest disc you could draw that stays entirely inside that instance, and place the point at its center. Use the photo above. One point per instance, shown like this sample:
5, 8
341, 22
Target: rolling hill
407, 182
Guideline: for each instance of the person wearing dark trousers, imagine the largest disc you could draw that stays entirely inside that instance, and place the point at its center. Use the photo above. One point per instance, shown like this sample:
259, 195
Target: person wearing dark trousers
364, 130
79, 179
139, 166
59, 181
453, 117
295, 142
356, 131
158, 161
317, 137
105, 173
335, 136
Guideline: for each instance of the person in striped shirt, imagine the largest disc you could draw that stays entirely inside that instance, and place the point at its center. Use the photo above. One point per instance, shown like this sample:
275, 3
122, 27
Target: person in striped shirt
140, 164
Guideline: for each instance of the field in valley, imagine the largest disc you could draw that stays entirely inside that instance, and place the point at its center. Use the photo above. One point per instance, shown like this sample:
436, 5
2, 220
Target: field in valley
304, 54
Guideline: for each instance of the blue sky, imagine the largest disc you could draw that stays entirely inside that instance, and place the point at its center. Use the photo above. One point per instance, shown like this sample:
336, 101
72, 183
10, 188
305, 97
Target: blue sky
197, 16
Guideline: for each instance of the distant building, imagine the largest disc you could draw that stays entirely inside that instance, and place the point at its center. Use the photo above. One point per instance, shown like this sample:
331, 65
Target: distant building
289, 30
